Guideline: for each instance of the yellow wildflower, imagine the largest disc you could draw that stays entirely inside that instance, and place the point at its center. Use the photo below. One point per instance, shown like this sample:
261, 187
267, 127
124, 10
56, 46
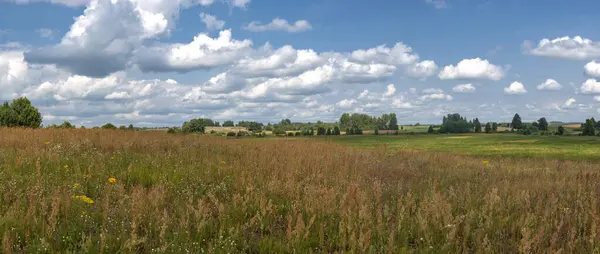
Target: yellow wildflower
84, 198
112, 180
75, 186
112, 158
46, 142
486, 163
223, 162
66, 166
378, 161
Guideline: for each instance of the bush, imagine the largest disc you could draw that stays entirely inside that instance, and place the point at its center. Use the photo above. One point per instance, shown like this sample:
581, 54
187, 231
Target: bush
242, 133
376, 132
171, 131
279, 132
231, 134
109, 126
298, 134
290, 134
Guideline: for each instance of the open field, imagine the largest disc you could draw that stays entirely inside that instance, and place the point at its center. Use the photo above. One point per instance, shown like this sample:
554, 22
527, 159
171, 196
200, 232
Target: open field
108, 191
514, 145
235, 129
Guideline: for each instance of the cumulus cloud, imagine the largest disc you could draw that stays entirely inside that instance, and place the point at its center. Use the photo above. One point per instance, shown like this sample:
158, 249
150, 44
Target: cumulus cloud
211, 22
432, 90
71, 3
592, 69
590, 86
390, 90
549, 84
46, 33
576, 48
475, 68
570, 103
422, 69
400, 54
464, 88
515, 88
203, 52
438, 4
346, 104
279, 24
436, 96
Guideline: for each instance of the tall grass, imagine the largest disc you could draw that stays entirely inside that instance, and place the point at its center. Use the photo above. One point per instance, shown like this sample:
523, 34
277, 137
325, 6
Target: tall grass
207, 194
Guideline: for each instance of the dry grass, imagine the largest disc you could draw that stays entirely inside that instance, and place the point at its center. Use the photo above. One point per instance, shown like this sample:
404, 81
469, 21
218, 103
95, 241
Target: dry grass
225, 129
198, 194
572, 126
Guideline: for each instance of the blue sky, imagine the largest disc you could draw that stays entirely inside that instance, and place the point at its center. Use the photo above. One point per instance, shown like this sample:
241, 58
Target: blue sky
165, 62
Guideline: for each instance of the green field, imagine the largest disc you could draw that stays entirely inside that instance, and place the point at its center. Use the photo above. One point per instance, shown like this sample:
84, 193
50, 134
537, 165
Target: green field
552, 147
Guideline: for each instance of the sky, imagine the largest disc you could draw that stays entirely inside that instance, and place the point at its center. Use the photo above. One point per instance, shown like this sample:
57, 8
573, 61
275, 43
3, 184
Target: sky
163, 62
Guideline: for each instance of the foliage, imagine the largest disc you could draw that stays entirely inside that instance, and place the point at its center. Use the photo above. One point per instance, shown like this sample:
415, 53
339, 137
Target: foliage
516, 122
278, 132
494, 127
329, 132
454, 123
20, 113
171, 131
109, 126
589, 127
542, 124
197, 125
251, 126
130, 127
231, 134
477, 125
488, 127
560, 130
376, 131
321, 131
228, 123
336, 131
430, 129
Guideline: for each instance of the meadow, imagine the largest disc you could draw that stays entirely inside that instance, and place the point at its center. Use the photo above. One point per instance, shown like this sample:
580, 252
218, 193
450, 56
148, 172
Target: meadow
110, 191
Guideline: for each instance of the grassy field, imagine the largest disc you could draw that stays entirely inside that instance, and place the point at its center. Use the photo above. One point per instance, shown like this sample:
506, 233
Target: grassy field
102, 191
514, 145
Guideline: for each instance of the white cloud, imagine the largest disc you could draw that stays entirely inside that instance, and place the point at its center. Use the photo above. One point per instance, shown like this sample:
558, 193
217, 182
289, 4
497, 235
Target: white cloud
569, 103
363, 94
211, 22
202, 53
464, 88
279, 24
400, 54
515, 88
390, 90
432, 90
475, 68
438, 4
346, 104
71, 3
422, 69
240, 3
281, 62
436, 96
576, 48
590, 86
46, 33
592, 69
550, 84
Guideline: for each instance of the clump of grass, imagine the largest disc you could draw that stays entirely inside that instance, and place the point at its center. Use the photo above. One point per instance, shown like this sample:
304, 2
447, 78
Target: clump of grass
150, 191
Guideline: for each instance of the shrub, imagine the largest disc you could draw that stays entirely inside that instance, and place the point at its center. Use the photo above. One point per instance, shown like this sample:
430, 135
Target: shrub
171, 131
376, 131
290, 134
279, 132
242, 133
231, 134
298, 134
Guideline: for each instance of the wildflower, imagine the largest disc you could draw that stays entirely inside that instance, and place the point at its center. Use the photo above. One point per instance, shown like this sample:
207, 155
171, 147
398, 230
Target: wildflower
223, 162
46, 142
84, 198
378, 161
486, 163
75, 186
112, 180
66, 166
112, 158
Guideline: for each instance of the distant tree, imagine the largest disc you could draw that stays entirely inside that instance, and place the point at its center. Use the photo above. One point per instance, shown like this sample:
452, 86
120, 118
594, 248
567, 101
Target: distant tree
494, 126
345, 121
561, 130
329, 132
66, 125
430, 129
336, 131
253, 126
196, 125
454, 123
589, 128
543, 124
393, 124
376, 131
488, 127
130, 127
109, 126
402, 127
516, 122
20, 113
417, 124
228, 123
285, 122
122, 127
82, 127
171, 131
477, 125
321, 131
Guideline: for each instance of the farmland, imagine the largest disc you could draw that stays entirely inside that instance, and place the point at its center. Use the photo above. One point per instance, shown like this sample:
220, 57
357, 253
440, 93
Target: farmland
122, 191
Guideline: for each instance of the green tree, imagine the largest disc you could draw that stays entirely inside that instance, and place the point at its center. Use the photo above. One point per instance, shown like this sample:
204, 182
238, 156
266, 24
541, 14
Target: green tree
589, 128
393, 125
543, 124
66, 125
488, 127
345, 121
376, 131
109, 126
130, 127
122, 127
494, 126
321, 131
228, 123
329, 132
561, 130
20, 113
454, 123
477, 125
430, 129
194, 125
516, 122
336, 131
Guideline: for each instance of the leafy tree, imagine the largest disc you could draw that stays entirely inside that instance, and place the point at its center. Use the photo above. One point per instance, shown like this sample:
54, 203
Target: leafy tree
171, 131
488, 128
329, 132
109, 126
196, 125
477, 125
66, 125
393, 125
252, 126
321, 131
336, 131
589, 128
543, 124
494, 126
20, 113
561, 130
130, 127
454, 123
345, 121
122, 127
376, 131
285, 122
516, 122
430, 129
228, 123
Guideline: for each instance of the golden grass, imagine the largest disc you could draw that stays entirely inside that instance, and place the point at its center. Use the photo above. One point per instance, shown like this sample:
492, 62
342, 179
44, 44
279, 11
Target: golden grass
459, 137
175, 194
522, 141
225, 129
572, 126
